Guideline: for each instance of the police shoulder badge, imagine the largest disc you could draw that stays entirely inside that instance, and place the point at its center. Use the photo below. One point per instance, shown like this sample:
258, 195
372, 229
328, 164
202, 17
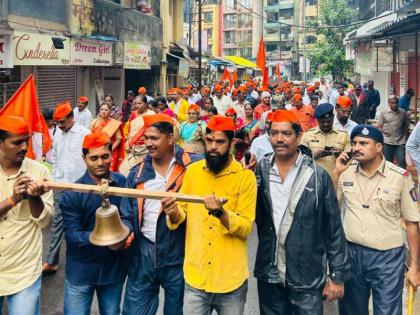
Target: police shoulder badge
413, 194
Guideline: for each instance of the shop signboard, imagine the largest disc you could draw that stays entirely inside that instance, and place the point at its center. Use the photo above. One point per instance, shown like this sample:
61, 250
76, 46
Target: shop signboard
90, 53
6, 56
31, 49
137, 56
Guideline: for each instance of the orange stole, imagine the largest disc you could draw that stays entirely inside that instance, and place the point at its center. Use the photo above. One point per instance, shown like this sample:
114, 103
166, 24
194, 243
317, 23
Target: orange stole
110, 127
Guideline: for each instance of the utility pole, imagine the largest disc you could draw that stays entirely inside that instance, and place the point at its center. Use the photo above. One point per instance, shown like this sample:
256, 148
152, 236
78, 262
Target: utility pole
190, 23
304, 40
280, 46
199, 43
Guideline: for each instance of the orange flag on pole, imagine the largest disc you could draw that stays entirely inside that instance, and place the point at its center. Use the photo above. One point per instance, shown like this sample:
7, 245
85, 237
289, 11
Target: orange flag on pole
24, 103
261, 63
235, 76
226, 76
278, 73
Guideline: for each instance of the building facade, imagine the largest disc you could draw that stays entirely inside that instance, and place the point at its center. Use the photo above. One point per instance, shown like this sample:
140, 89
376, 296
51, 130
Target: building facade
89, 47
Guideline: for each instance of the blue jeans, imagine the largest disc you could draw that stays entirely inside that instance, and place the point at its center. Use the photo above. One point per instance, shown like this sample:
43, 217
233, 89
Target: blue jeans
199, 302
143, 285
376, 272
78, 298
25, 302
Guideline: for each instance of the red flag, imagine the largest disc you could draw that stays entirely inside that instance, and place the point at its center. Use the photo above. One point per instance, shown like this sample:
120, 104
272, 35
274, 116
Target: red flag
278, 73
235, 76
261, 63
24, 103
226, 76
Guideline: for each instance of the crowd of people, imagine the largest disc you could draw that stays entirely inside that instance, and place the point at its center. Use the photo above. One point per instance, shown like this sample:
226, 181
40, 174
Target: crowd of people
324, 181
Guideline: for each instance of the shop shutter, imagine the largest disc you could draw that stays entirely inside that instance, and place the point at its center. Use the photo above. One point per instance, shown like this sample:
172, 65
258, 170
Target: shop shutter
412, 82
55, 85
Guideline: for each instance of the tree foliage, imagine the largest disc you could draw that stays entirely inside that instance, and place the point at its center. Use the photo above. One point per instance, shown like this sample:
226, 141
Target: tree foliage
328, 54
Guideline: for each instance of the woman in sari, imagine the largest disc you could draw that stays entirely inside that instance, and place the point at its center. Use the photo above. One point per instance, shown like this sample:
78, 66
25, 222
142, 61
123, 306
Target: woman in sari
116, 113
114, 129
251, 125
192, 131
204, 111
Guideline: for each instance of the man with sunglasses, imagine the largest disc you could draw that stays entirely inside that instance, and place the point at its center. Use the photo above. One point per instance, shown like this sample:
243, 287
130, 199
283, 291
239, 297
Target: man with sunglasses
68, 166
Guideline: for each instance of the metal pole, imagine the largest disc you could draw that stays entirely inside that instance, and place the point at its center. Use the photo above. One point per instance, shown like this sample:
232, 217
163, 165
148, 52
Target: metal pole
190, 24
304, 40
199, 43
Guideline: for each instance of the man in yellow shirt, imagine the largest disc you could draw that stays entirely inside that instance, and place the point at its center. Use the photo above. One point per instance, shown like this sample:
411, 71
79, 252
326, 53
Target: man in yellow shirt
179, 106
23, 213
216, 259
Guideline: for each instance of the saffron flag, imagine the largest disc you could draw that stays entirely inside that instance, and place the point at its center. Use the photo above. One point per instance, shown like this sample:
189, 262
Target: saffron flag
278, 73
24, 103
235, 76
261, 63
226, 76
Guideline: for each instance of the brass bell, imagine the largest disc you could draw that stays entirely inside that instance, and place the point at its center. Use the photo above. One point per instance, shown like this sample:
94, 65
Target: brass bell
109, 229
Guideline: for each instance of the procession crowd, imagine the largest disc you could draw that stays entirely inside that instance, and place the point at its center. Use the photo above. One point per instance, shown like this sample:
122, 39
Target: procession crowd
315, 167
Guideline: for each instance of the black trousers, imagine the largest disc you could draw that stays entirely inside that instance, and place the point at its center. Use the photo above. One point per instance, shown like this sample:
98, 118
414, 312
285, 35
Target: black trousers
275, 299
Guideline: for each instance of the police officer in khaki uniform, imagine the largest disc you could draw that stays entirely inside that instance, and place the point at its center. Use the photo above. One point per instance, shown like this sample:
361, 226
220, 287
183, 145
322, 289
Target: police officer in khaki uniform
375, 196
325, 142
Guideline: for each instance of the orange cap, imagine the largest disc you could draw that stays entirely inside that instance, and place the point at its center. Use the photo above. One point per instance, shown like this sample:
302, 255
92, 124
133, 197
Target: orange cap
194, 107
95, 140
282, 115
242, 89
235, 92
221, 123
230, 111
217, 88
62, 111
343, 101
205, 89
150, 120
83, 99
296, 98
189, 87
310, 89
14, 124
296, 90
142, 90
249, 84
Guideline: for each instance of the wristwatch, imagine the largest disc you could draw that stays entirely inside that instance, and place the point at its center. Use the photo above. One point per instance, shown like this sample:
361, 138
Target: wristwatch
217, 213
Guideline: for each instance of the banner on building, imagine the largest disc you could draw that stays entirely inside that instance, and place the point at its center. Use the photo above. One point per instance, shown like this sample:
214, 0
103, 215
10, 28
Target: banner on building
6, 55
137, 56
363, 58
90, 53
30, 49
204, 41
184, 68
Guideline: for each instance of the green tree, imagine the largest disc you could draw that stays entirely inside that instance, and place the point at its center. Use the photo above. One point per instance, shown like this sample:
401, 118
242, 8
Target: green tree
328, 54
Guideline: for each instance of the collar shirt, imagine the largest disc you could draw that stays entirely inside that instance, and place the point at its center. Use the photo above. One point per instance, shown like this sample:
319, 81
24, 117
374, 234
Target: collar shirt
67, 161
261, 146
305, 115
315, 139
280, 190
193, 99
373, 207
83, 118
87, 264
260, 109
255, 95
222, 104
333, 97
306, 100
348, 127
394, 126
152, 206
20, 232
216, 257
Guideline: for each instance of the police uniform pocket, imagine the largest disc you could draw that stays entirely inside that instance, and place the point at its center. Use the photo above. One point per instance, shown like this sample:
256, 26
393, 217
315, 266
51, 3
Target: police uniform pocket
389, 203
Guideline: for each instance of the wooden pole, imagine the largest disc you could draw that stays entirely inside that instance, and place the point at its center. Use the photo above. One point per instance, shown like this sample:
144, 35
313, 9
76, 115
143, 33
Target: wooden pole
122, 192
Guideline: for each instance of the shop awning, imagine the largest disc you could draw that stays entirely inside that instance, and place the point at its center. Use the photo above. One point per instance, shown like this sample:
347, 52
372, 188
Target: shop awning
240, 61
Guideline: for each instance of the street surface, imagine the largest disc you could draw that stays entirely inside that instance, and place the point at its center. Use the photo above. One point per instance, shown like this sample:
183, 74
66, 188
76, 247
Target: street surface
53, 287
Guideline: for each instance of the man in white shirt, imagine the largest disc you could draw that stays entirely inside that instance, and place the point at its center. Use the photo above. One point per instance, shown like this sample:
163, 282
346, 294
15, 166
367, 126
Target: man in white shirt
143, 91
239, 104
221, 101
261, 146
192, 97
325, 89
342, 119
82, 114
68, 166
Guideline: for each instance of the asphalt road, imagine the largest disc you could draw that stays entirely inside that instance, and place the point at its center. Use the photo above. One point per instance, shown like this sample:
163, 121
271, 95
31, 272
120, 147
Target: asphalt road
52, 287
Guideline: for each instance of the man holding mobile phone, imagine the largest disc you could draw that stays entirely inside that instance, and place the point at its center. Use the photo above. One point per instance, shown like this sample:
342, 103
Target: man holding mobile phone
325, 141
375, 195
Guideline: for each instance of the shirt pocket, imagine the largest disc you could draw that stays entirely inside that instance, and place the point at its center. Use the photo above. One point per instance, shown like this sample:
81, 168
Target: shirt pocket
389, 203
